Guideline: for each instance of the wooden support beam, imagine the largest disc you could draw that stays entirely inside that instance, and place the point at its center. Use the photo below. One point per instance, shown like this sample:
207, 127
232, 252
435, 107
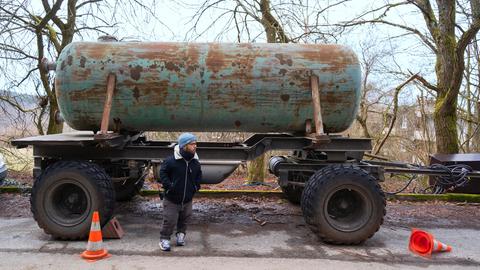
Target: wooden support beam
108, 104
317, 109
319, 135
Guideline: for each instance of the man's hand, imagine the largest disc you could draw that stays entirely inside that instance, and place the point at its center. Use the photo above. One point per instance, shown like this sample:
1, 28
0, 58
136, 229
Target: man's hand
166, 187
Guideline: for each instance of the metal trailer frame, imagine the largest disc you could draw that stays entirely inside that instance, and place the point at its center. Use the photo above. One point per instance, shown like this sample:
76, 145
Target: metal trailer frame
61, 160
86, 146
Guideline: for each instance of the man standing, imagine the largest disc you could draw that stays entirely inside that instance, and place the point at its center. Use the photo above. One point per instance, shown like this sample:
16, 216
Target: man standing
180, 175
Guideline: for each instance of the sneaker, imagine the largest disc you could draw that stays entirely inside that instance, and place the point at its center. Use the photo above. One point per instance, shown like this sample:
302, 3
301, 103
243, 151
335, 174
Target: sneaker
164, 245
180, 239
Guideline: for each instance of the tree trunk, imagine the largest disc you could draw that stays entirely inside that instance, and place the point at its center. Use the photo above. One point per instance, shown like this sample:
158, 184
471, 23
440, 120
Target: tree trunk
449, 70
476, 134
362, 120
53, 126
445, 119
469, 133
256, 170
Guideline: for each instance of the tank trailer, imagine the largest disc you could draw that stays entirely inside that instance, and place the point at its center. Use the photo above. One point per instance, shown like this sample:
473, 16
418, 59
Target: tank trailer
293, 97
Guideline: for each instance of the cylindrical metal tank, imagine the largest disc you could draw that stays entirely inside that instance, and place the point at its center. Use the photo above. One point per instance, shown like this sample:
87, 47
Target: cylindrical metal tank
166, 86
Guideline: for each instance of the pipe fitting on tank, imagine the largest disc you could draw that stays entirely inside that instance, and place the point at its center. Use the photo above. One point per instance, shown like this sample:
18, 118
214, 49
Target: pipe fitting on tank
274, 162
59, 118
107, 38
48, 65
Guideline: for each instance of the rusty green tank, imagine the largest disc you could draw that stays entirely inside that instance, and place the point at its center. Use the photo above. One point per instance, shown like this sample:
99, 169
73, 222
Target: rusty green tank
167, 86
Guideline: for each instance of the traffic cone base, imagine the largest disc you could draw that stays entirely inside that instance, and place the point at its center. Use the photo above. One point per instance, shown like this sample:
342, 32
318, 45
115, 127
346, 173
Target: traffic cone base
95, 255
423, 243
95, 250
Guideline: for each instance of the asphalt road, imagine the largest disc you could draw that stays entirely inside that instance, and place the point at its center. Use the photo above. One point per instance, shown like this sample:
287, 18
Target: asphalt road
224, 235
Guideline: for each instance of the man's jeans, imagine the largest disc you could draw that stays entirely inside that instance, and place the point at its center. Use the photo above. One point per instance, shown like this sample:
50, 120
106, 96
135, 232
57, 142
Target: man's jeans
175, 214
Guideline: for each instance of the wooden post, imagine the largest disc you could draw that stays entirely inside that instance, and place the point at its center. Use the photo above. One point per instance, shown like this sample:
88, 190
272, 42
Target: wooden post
319, 136
317, 109
108, 104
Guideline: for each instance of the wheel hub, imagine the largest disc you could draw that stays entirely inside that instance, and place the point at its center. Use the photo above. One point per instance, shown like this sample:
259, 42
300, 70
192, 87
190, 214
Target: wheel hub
347, 209
68, 203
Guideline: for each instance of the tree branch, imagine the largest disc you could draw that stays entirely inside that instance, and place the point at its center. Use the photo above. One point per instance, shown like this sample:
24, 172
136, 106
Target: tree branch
424, 82
472, 31
424, 38
395, 110
50, 14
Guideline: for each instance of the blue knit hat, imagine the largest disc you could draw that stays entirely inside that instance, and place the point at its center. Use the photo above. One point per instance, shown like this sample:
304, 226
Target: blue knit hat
186, 138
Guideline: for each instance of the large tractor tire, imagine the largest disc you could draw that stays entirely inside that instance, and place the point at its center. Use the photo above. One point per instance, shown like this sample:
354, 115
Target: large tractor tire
65, 196
343, 204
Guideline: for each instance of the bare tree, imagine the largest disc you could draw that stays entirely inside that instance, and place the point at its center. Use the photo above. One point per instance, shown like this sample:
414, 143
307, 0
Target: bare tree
272, 21
378, 146
31, 31
441, 19
373, 95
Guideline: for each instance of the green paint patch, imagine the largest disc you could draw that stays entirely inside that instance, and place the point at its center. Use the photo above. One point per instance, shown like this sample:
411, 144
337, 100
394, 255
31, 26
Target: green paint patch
210, 192
14, 189
449, 197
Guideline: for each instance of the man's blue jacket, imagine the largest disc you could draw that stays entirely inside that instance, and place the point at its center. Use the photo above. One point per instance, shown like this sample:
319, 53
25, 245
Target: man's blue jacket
180, 178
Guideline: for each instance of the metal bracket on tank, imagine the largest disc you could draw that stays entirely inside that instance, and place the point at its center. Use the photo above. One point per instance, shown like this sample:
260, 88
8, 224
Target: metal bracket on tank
103, 133
319, 136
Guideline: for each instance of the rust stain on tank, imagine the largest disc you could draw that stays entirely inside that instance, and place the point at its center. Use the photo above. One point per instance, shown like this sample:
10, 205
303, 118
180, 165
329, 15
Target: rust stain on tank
82, 74
167, 52
95, 51
216, 97
284, 60
69, 60
192, 56
83, 60
215, 58
135, 72
155, 93
95, 93
136, 93
336, 58
326, 85
85, 119
158, 47
285, 97
192, 68
241, 73
172, 66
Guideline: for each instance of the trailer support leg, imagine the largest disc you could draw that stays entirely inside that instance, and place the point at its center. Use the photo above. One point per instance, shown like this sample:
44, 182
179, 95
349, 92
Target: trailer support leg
107, 107
319, 135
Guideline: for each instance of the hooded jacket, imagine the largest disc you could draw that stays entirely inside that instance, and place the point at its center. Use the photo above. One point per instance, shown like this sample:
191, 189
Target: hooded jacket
180, 178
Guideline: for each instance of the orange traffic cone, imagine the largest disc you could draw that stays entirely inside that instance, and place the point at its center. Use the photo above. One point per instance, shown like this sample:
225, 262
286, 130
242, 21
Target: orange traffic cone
95, 250
423, 243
